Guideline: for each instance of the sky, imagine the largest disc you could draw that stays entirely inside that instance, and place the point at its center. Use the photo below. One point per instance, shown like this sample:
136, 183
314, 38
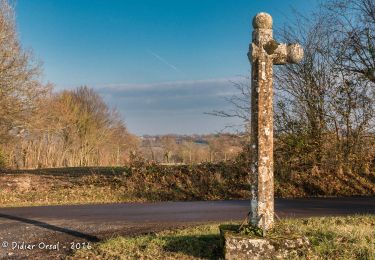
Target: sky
162, 64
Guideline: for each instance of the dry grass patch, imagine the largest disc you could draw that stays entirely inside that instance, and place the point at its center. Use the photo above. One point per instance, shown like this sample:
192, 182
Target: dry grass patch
221, 181
350, 237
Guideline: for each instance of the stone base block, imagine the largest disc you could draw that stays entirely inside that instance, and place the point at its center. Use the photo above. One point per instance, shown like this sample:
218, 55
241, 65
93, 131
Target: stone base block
241, 247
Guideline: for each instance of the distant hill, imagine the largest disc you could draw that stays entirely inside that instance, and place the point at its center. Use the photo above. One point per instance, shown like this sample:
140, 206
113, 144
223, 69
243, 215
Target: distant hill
195, 148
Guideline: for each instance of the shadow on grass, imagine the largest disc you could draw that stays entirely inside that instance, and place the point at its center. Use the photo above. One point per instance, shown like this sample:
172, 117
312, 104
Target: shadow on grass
201, 246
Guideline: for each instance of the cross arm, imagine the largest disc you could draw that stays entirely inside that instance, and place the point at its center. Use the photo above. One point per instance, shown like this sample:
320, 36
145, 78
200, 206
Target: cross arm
287, 53
280, 52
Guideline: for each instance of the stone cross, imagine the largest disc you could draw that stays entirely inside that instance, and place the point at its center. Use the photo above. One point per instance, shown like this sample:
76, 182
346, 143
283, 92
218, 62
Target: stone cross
264, 52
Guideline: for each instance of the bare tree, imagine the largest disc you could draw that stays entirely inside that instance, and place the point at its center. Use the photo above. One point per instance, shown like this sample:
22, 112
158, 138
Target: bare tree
19, 76
325, 104
74, 128
20, 87
354, 29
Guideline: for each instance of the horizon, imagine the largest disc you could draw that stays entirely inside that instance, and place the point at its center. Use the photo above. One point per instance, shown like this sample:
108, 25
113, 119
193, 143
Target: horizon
163, 65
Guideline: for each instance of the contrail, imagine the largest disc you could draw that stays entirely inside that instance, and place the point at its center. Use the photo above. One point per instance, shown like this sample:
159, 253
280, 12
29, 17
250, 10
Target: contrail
164, 61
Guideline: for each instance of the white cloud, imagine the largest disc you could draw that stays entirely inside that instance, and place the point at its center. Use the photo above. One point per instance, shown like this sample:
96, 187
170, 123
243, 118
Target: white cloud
177, 107
168, 84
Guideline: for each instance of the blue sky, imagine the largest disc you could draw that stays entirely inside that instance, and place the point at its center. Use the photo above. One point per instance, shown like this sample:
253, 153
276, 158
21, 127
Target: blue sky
162, 64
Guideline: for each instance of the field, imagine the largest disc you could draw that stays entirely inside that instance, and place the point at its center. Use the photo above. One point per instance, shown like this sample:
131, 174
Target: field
152, 182
330, 238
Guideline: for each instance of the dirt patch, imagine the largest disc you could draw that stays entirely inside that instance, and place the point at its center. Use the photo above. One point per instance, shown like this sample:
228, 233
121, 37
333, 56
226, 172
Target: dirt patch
31, 182
17, 183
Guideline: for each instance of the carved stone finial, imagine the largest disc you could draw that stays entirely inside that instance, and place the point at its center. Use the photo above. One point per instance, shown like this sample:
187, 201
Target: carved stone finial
262, 21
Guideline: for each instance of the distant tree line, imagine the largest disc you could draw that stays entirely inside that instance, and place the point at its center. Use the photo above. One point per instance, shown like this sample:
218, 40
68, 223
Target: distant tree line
175, 149
43, 128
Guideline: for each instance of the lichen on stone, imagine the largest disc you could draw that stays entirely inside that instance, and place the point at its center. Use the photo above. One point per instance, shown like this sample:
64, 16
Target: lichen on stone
262, 21
263, 53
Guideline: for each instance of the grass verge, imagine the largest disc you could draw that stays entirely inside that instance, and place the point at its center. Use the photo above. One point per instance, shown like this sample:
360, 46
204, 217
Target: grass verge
221, 181
351, 237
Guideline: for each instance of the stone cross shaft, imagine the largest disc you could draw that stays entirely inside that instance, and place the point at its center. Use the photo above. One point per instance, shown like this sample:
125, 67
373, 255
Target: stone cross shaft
264, 52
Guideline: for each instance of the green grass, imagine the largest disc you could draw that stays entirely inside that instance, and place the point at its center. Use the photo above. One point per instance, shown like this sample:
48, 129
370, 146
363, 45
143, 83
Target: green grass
191, 243
350, 237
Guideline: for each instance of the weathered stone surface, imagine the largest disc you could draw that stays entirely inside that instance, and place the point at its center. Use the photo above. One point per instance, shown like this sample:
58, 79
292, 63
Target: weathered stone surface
263, 53
241, 247
237, 247
262, 21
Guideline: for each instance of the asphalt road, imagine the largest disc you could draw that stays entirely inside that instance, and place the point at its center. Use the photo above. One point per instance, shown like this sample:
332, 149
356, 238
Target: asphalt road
90, 223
